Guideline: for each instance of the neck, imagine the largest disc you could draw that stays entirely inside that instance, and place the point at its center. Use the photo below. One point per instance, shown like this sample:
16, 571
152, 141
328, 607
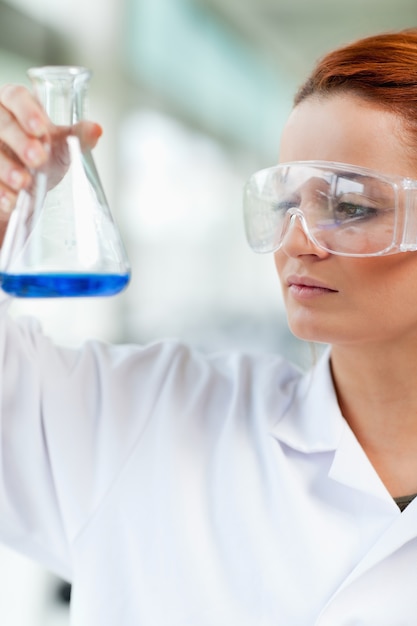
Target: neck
377, 392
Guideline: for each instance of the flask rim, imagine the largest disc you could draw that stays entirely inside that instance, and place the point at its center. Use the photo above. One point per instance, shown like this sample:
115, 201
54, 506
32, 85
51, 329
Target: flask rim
59, 72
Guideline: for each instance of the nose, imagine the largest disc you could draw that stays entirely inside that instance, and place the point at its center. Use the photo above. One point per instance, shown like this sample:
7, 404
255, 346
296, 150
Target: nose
295, 239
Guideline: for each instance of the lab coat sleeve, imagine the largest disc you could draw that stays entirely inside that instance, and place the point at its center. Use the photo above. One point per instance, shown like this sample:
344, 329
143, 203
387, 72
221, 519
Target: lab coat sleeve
69, 420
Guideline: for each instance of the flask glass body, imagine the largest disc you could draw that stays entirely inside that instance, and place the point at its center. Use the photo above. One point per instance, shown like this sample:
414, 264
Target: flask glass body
61, 239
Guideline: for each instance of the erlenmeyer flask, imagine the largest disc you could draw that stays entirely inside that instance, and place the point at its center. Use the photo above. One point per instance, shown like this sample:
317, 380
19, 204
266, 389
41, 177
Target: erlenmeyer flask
61, 239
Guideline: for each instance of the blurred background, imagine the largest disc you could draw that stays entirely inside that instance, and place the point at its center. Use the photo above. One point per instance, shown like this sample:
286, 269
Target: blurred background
192, 95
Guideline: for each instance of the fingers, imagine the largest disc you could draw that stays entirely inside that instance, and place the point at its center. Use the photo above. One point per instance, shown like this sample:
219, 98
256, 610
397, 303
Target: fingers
24, 106
24, 125
13, 178
28, 139
24, 129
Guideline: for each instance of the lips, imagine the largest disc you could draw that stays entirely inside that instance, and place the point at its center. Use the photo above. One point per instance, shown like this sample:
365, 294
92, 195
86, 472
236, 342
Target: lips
307, 286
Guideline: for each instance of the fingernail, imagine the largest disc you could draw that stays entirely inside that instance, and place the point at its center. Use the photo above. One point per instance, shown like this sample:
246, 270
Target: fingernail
16, 179
37, 126
6, 204
35, 156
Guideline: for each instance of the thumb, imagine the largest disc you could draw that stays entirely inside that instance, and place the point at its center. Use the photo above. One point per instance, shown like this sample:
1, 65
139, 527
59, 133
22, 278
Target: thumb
88, 133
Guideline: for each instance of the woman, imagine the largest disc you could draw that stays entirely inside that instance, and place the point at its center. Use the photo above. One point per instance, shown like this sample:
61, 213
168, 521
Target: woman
176, 489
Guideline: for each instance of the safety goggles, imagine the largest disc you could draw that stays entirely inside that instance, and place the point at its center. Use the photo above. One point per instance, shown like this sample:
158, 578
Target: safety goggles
343, 209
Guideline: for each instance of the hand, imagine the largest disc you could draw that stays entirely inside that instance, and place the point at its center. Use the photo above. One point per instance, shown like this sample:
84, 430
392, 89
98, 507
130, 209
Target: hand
28, 140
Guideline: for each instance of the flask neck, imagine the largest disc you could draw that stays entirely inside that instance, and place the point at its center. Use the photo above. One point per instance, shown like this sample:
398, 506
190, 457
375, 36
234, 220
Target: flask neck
61, 90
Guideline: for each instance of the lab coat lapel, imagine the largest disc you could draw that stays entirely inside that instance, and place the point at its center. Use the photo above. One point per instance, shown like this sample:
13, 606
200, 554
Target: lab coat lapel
351, 467
312, 421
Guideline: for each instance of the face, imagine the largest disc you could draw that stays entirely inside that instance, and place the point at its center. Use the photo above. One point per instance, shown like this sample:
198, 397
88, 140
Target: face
335, 299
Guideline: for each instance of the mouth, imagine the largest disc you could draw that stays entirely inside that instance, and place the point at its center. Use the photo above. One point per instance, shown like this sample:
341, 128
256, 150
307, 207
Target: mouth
304, 286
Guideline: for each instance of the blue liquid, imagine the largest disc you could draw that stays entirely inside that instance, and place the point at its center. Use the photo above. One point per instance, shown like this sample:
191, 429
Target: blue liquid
63, 285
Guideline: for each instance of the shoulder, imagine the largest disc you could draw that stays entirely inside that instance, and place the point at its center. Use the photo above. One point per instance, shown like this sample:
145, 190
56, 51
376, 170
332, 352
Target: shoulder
236, 367
251, 386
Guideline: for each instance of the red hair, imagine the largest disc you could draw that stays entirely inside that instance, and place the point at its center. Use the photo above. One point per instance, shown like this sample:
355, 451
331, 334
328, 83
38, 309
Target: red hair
381, 69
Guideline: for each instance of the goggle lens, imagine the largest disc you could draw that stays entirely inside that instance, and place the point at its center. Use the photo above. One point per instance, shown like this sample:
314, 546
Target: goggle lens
344, 211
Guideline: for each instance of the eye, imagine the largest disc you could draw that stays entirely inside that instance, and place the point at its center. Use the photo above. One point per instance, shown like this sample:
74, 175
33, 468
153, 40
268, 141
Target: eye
347, 211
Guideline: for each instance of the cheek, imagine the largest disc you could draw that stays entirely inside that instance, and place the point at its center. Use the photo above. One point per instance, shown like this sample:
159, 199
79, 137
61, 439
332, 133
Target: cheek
390, 280
380, 299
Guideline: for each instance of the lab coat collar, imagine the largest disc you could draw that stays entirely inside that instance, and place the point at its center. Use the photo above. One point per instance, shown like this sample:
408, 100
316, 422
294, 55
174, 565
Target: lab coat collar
313, 421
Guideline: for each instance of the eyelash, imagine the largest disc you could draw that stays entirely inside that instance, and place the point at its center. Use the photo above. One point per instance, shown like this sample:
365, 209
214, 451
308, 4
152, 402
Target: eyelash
365, 211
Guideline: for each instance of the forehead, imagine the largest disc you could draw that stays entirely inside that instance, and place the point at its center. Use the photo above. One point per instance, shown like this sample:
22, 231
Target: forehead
346, 129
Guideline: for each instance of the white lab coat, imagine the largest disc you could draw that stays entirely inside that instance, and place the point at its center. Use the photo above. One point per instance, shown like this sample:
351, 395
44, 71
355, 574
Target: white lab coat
175, 489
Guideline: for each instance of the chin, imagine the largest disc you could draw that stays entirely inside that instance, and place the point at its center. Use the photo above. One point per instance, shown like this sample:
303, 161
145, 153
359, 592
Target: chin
310, 330
311, 337
325, 334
